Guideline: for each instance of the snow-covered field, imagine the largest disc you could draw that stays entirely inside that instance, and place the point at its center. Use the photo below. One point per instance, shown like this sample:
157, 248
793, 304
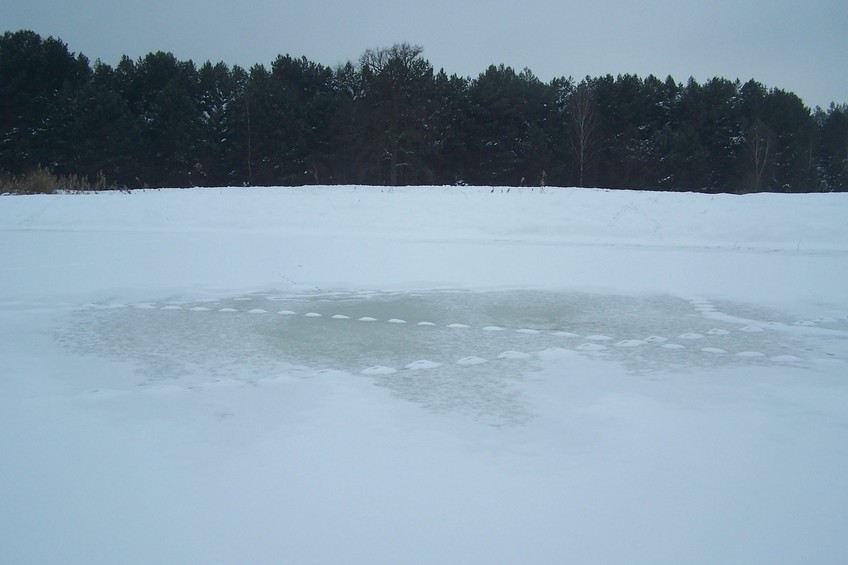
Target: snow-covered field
423, 375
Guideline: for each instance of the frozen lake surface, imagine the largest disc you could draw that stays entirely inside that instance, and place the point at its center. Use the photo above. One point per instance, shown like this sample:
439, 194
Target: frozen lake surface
357, 375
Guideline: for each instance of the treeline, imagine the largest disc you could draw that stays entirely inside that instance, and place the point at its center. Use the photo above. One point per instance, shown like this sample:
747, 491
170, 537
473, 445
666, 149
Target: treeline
390, 119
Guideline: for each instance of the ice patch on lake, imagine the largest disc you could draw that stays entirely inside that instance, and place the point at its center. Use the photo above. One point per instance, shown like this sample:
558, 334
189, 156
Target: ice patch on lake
505, 335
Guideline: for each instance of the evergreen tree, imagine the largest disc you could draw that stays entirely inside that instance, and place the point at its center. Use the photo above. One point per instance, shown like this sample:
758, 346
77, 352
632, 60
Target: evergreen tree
833, 146
685, 156
219, 92
718, 119
345, 151
289, 121
38, 82
448, 126
540, 122
104, 131
162, 93
498, 125
794, 128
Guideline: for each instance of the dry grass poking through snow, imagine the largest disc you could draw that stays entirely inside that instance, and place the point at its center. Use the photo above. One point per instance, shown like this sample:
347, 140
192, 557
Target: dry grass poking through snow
43, 181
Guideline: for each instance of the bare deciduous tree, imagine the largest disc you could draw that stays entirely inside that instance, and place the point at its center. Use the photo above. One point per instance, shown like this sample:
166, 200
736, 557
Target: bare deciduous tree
760, 139
582, 126
395, 79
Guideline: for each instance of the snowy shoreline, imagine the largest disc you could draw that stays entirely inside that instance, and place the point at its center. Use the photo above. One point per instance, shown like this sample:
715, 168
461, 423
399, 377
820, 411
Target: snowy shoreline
752, 221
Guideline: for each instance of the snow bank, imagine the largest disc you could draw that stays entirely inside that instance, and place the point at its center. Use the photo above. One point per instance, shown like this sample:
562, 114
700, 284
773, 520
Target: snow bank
222, 241
809, 222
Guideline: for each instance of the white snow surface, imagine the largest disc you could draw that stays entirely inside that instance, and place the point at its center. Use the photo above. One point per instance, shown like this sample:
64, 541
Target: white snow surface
669, 384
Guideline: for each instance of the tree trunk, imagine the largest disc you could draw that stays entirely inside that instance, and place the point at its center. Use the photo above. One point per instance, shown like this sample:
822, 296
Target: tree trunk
583, 125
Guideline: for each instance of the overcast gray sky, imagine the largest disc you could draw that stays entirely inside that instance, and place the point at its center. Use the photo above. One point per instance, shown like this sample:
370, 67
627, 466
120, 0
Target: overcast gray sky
801, 46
